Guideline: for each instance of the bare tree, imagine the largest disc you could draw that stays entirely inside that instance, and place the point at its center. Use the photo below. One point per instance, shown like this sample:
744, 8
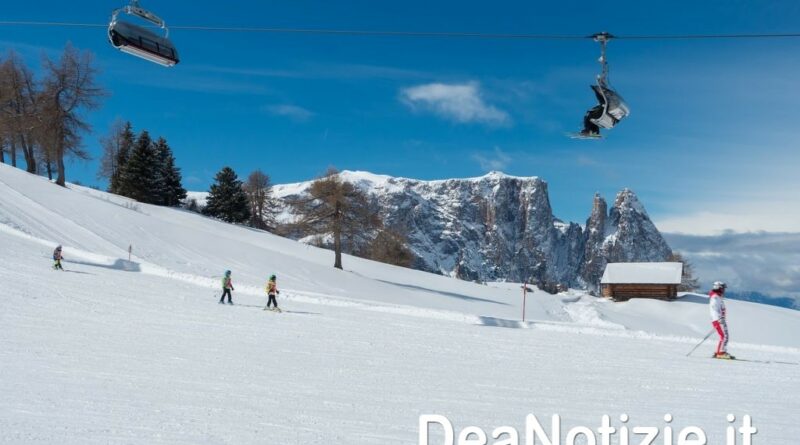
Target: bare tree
116, 147
262, 204
391, 247
19, 111
688, 281
336, 208
69, 88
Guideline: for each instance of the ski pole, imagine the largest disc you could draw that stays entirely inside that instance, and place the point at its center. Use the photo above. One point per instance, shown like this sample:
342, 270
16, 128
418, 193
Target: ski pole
701, 342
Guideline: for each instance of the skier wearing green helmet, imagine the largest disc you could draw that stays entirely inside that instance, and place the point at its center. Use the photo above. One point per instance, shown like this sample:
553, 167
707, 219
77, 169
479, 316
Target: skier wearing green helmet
272, 292
227, 287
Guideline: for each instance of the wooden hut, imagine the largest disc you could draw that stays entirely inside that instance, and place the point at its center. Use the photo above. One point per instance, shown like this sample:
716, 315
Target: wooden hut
623, 281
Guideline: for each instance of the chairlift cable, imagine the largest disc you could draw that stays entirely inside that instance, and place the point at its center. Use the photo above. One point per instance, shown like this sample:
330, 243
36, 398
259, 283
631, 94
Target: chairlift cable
389, 33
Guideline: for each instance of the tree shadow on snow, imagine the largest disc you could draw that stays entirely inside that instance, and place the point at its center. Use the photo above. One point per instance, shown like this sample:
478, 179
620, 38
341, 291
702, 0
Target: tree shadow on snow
119, 264
446, 294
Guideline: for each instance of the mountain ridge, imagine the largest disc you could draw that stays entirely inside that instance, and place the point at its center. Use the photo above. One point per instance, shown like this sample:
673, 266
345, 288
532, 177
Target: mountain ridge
499, 227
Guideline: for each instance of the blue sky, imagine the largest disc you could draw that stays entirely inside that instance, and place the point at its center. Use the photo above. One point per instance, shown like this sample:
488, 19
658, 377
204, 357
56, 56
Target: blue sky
711, 144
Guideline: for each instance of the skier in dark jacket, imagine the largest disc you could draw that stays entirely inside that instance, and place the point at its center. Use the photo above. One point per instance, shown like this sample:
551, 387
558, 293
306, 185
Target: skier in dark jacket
227, 287
57, 257
590, 129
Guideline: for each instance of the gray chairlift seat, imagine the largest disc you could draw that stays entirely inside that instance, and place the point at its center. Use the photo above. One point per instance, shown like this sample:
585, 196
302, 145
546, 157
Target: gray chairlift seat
140, 41
614, 107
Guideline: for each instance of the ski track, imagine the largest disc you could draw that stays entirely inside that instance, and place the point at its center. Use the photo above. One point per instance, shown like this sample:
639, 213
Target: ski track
584, 315
112, 351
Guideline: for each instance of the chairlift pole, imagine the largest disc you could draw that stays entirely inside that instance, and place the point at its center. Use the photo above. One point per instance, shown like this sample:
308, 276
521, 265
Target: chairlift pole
603, 38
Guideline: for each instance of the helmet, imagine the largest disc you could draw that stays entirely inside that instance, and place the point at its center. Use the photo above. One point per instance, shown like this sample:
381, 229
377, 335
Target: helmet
227, 272
58, 247
719, 285
273, 277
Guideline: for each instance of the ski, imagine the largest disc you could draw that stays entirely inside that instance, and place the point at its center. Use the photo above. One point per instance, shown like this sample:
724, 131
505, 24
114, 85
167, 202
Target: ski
584, 136
770, 362
766, 362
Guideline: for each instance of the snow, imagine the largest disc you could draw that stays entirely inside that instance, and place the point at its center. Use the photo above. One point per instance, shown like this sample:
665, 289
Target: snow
199, 197
118, 351
642, 273
378, 184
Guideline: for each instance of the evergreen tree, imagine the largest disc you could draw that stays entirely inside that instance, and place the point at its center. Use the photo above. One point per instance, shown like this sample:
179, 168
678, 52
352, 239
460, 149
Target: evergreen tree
117, 148
141, 176
227, 199
172, 191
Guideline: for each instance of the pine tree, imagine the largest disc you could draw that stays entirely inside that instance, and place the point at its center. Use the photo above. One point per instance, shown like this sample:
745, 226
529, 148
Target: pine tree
117, 149
227, 199
141, 177
172, 191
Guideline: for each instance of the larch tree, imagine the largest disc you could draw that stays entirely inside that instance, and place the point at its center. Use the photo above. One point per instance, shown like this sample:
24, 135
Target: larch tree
390, 247
688, 281
258, 188
20, 115
227, 199
69, 87
336, 208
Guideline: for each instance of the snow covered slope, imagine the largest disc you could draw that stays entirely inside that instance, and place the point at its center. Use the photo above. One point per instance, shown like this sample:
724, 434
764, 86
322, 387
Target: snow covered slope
117, 351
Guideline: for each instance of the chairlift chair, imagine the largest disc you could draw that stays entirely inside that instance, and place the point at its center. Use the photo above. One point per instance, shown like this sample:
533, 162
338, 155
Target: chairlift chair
612, 107
140, 41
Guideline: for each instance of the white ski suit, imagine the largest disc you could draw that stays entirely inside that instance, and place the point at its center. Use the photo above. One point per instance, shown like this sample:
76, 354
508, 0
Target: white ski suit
716, 307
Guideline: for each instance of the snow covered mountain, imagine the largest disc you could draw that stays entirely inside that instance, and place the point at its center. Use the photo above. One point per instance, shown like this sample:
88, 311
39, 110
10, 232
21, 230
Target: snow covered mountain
138, 351
499, 227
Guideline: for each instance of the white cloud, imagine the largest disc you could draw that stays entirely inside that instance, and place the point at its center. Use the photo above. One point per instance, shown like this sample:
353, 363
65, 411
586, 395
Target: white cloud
760, 262
748, 216
461, 103
497, 160
293, 112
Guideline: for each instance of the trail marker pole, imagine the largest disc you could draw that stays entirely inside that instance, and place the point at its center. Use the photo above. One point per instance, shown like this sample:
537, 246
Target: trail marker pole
130, 249
524, 298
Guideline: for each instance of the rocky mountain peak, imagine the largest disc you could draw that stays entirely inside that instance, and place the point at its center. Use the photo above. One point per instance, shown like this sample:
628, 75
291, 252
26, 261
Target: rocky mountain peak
499, 227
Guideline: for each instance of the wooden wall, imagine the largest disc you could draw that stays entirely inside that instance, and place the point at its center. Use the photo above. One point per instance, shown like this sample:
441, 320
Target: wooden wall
623, 292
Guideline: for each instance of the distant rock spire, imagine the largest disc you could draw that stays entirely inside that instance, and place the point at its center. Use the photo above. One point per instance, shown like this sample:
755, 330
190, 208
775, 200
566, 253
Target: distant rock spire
626, 235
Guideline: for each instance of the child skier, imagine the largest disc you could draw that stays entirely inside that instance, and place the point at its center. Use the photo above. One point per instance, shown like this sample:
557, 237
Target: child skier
272, 291
716, 305
57, 257
227, 287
